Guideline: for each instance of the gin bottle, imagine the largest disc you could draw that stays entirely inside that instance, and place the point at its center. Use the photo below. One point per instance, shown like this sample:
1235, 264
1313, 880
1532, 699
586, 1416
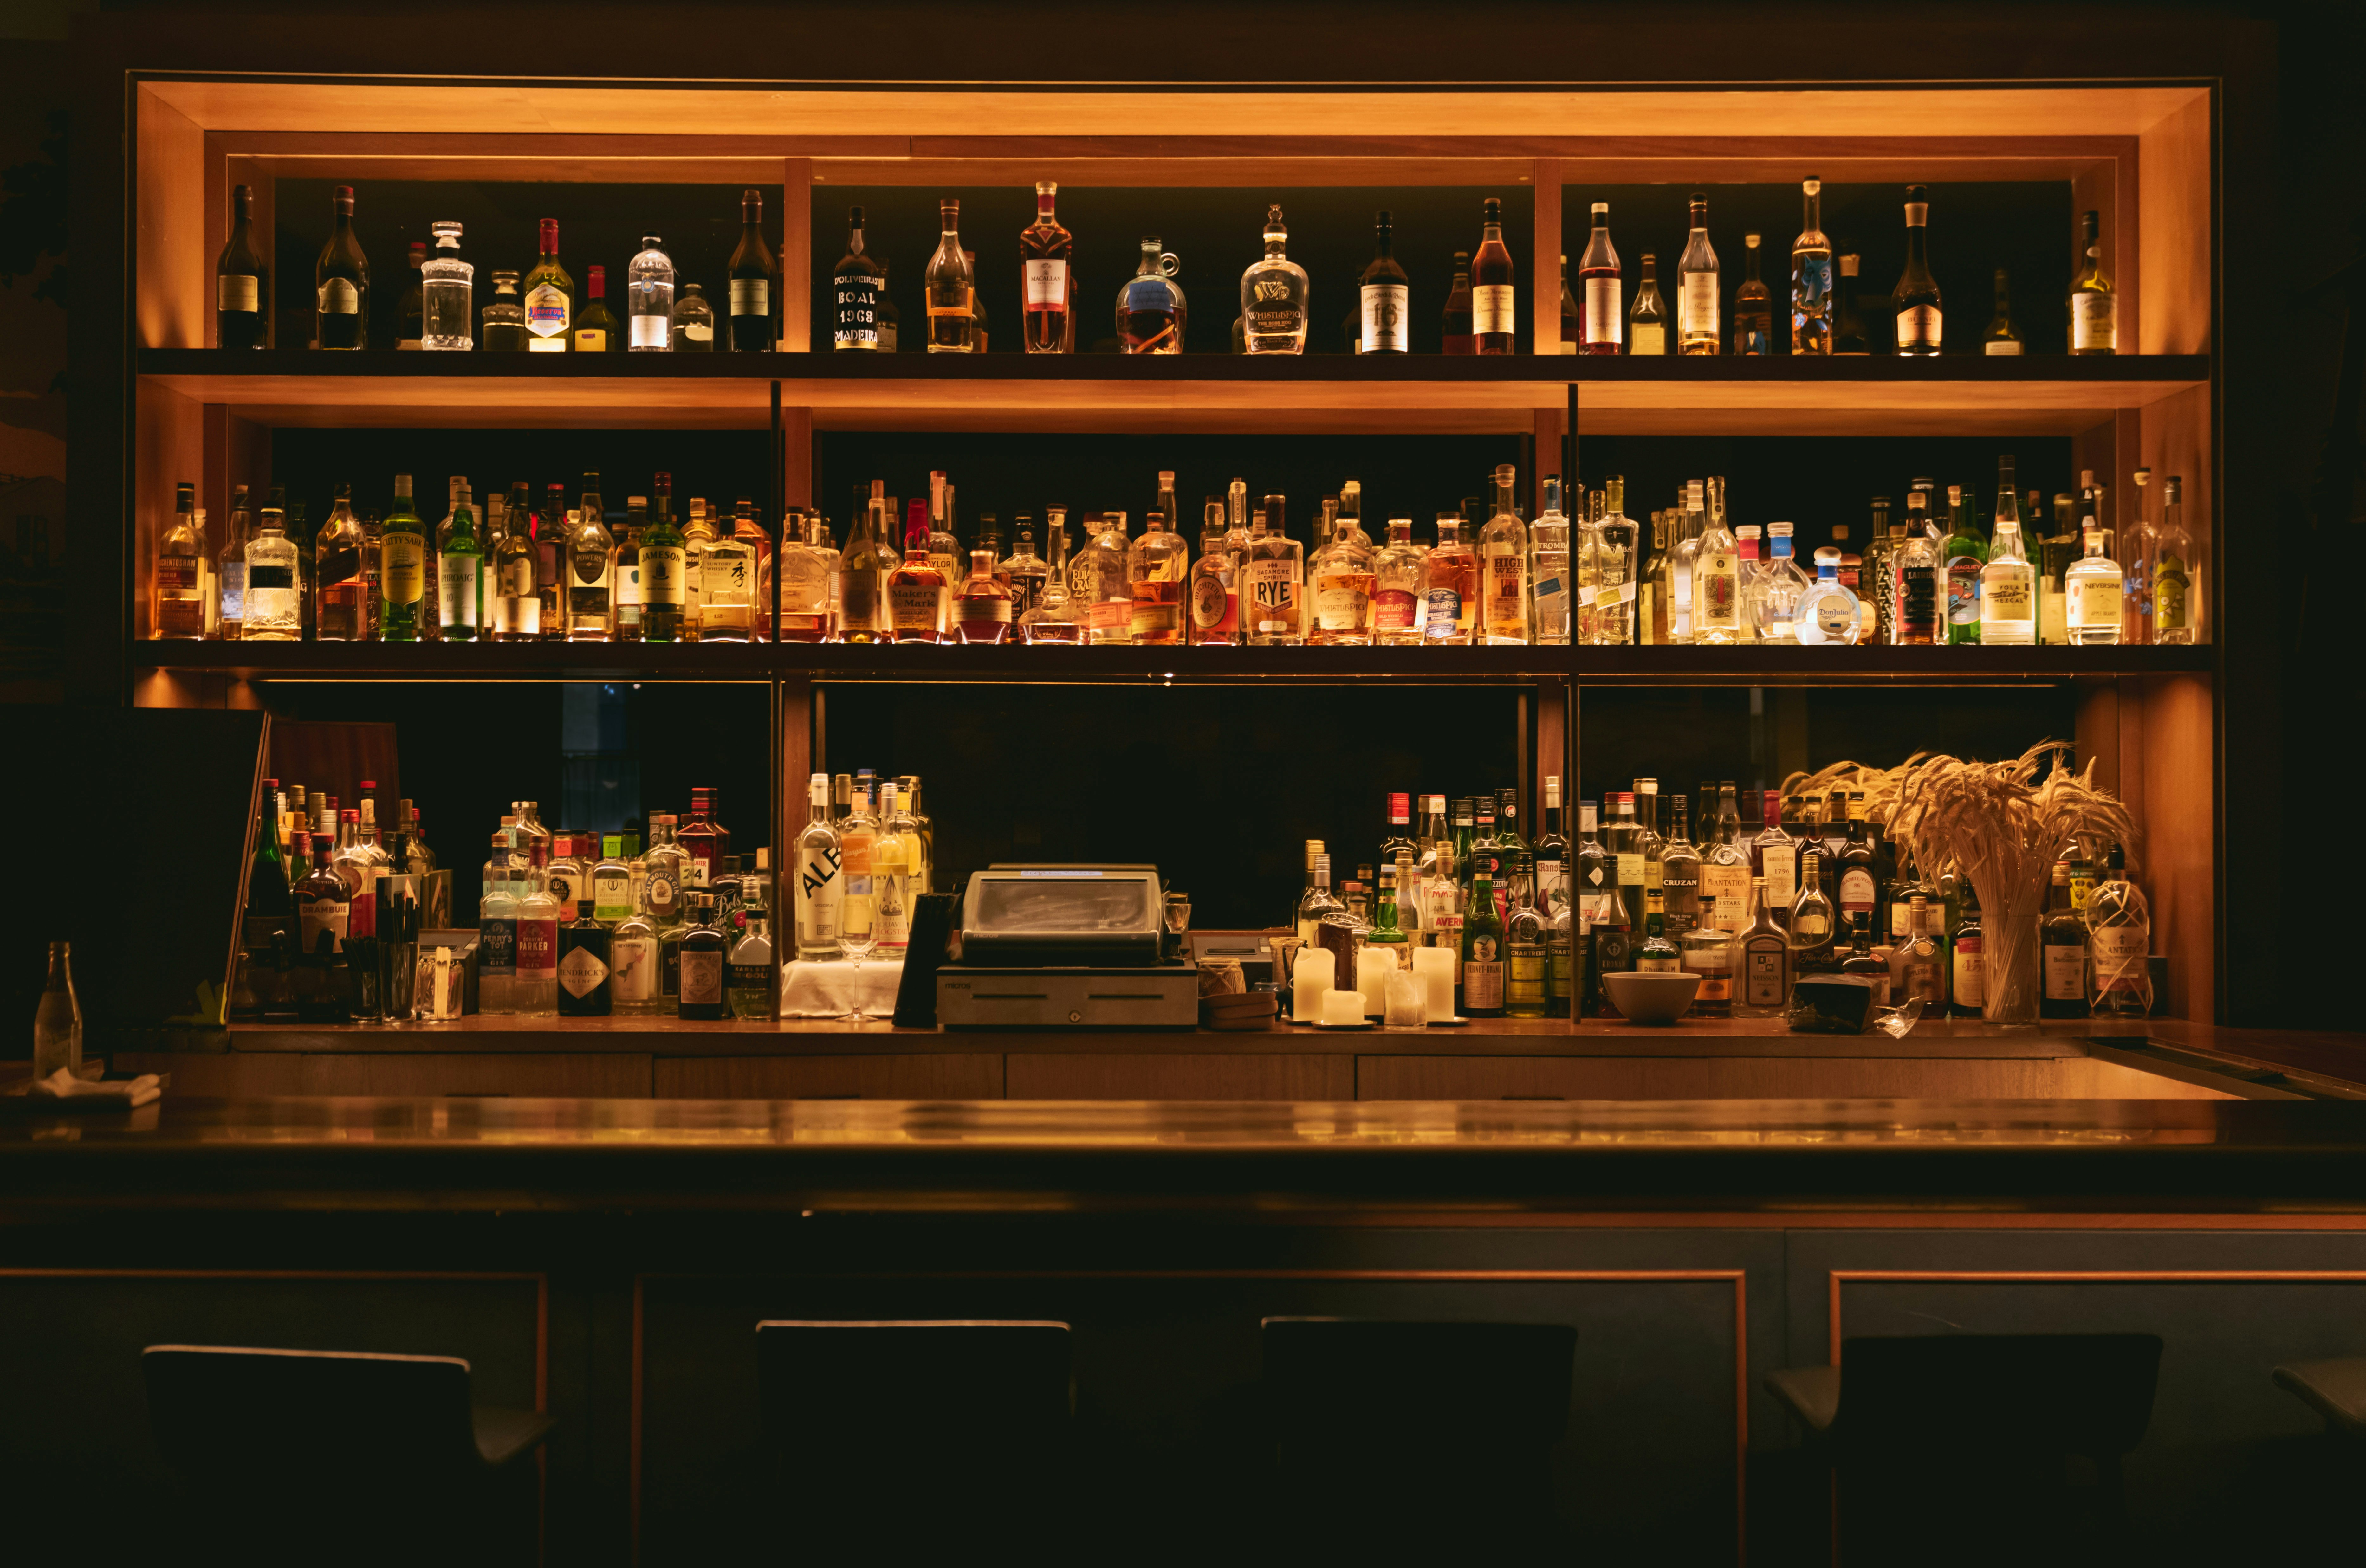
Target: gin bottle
2091, 590
446, 294
1274, 296
649, 299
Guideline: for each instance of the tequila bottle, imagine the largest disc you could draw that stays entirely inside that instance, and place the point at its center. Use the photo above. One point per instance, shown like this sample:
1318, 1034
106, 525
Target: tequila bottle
274, 607
1156, 566
1548, 567
550, 298
2176, 591
1716, 575
1698, 291
649, 299
1151, 312
1503, 569
446, 294
1045, 249
2091, 590
1449, 600
1274, 294
952, 321
1828, 612
1778, 590
1811, 276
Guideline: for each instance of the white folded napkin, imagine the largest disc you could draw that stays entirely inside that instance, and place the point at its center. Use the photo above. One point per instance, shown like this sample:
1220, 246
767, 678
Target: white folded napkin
812, 989
116, 1093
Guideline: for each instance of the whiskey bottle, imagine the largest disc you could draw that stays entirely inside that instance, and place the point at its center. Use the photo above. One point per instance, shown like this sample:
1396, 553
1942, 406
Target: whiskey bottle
242, 280
341, 616
1753, 308
1503, 569
1449, 600
1151, 313
1456, 323
982, 612
550, 299
1156, 566
1811, 276
180, 612
1044, 248
2094, 308
948, 284
2062, 951
2001, 338
625, 580
1274, 296
460, 577
1385, 294
1698, 292
1914, 302
1493, 303
664, 570
754, 277
340, 284
590, 569
1647, 319
1275, 572
274, 609
1602, 327
916, 590
1346, 577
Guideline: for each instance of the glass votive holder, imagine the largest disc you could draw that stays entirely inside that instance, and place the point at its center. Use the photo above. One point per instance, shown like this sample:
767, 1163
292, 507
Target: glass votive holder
1404, 1000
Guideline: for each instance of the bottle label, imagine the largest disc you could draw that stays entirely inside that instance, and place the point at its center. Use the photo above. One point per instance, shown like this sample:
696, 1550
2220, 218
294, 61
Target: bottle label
1631, 870
698, 331
702, 979
856, 325
1482, 976
339, 297
1762, 975
1273, 595
857, 599
1506, 596
1918, 328
2095, 604
633, 971
985, 613
1605, 322
628, 592
1964, 591
820, 890
751, 296
1781, 864
1047, 283
664, 895
1654, 964
1729, 886
1392, 610
321, 914
591, 340
496, 948
1342, 606
2003, 346
546, 312
2119, 950
1651, 338
1386, 305
1442, 612
1212, 604
237, 291
176, 573
2169, 595
1919, 607
1720, 597
516, 615
1856, 890
581, 971
538, 949
1491, 308
1113, 615
916, 608
1971, 972
456, 590
1697, 305
1552, 606
2066, 973
664, 568
650, 331
2094, 321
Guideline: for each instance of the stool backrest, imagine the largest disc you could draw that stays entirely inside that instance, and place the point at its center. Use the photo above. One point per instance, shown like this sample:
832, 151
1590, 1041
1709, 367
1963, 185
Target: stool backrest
994, 1387
224, 1410
2071, 1393
1454, 1387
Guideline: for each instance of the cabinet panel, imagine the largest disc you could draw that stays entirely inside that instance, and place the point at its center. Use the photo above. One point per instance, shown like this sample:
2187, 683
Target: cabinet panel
1758, 1078
1261, 1077
916, 1077
587, 1075
227, 1075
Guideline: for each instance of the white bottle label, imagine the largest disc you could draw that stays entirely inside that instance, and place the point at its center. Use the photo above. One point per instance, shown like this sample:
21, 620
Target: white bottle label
233, 291
698, 331
546, 312
1385, 307
751, 296
1047, 285
1697, 305
1490, 308
1918, 327
456, 590
1605, 322
650, 331
662, 568
340, 297
2003, 346
632, 975
2065, 974
2094, 321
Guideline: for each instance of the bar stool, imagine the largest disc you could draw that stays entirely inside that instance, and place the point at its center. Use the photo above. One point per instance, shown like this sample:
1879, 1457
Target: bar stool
1976, 1447
2334, 1389
281, 1452
918, 1437
1393, 1440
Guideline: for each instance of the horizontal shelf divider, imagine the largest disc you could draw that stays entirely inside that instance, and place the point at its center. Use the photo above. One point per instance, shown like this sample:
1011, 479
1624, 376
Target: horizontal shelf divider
1740, 666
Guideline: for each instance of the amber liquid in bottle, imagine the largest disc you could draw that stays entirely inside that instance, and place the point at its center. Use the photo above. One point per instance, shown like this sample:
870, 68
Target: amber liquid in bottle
1045, 249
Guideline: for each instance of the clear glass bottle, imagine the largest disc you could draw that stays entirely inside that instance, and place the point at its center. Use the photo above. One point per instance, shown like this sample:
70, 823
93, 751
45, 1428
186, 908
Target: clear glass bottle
649, 299
693, 320
1779, 590
1916, 577
1100, 574
1158, 565
1346, 577
1274, 296
1684, 555
1550, 568
1602, 317
1828, 612
806, 578
1646, 317
1527, 950
1753, 308
504, 316
1915, 301
1384, 295
535, 987
1716, 574
497, 930
591, 568
1399, 590
179, 572
1761, 958
2176, 581
515, 599
952, 325
56, 1021
447, 294
943, 543
1706, 950
2092, 589
981, 610
2008, 581
275, 607
1151, 311
1055, 617
1449, 585
1811, 276
1614, 593
1503, 569
729, 589
1213, 591
747, 972
862, 574
1274, 602
2094, 308
342, 613
229, 571
1699, 293
1495, 297
341, 283
2002, 338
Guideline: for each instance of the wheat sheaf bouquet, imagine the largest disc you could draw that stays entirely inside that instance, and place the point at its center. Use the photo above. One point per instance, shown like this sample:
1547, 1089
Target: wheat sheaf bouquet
2003, 825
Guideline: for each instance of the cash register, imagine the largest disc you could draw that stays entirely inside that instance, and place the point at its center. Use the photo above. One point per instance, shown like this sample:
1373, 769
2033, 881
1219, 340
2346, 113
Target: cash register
1066, 947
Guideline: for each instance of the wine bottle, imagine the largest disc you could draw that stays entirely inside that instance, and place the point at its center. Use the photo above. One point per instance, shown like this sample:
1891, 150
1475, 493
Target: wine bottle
2001, 338
242, 280
1915, 300
854, 293
753, 277
2094, 308
341, 282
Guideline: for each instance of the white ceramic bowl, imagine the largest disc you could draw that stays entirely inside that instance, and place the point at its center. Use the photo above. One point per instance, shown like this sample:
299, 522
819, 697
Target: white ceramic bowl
1652, 998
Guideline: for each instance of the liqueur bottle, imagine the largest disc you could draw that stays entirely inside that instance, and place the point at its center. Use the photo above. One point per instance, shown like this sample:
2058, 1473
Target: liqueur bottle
242, 280
341, 283
1811, 276
1045, 249
1602, 324
549, 298
2094, 308
1482, 952
754, 277
1385, 295
1274, 297
1526, 949
1915, 300
949, 284
1493, 301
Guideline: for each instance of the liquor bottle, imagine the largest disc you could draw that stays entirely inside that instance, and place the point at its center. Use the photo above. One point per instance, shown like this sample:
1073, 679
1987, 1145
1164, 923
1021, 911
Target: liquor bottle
2176, 596
1698, 290
1672, 865
341, 615
1919, 958
1811, 276
2001, 338
748, 972
1503, 569
460, 574
1647, 319
1346, 577
2092, 589
1023, 571
1570, 324
324, 904
1525, 951
1156, 566
341, 283
229, 570
1456, 324
595, 327
2135, 555
649, 299
1716, 576
534, 990
628, 606
1213, 593
1850, 333
976, 303
953, 324
1045, 249
504, 317
590, 570
411, 307
663, 570
402, 557
447, 294
1101, 573
1494, 309
1549, 568
1811, 925
1915, 301
242, 280
727, 587
1055, 617
1151, 311
179, 573
1856, 886
1602, 327
1753, 308
1616, 588
1385, 294
1860, 962
862, 575
274, 609
1276, 575
806, 577
1706, 950
549, 298
1397, 587
1762, 957
1482, 952
893, 865
513, 601
1915, 573
982, 611
2119, 943
754, 277
818, 883
585, 979
856, 284
1449, 585
2094, 308
1966, 556
1777, 597
1274, 296
2062, 946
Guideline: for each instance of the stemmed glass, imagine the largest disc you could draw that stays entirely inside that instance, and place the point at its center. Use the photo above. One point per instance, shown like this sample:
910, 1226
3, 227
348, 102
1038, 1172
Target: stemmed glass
858, 932
1179, 918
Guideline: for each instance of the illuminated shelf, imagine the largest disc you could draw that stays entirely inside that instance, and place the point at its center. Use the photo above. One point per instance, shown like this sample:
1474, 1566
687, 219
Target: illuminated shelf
1314, 393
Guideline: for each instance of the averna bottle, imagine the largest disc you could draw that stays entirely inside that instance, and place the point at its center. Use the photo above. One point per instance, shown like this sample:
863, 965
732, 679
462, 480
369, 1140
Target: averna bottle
446, 294
1385, 294
1044, 248
242, 280
1602, 320
1811, 276
1915, 300
649, 299
753, 275
341, 283
948, 284
1274, 296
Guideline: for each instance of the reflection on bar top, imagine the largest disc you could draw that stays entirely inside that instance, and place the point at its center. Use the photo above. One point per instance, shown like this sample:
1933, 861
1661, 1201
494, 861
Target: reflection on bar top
1117, 1127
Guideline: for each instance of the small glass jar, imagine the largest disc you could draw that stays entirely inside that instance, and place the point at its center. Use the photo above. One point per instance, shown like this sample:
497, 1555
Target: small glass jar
694, 322
504, 318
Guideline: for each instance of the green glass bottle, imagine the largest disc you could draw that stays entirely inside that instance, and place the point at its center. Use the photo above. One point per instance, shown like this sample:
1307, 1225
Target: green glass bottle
1964, 553
1482, 950
402, 567
460, 575
665, 559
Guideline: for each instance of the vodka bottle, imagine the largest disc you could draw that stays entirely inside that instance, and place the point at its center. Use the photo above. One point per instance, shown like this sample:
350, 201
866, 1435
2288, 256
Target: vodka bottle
649, 299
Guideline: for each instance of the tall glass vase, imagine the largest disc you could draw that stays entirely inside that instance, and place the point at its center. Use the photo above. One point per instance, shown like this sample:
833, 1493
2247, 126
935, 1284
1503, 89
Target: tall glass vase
2010, 978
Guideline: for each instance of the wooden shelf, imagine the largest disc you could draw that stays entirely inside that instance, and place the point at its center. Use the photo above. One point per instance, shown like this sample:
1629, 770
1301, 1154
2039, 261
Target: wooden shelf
1314, 393
454, 662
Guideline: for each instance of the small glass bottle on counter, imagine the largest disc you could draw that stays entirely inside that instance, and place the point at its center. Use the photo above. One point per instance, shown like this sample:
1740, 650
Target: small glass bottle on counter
701, 962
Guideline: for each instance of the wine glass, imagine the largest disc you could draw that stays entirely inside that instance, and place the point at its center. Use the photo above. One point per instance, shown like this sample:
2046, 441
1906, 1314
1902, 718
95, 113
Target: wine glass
858, 932
1178, 919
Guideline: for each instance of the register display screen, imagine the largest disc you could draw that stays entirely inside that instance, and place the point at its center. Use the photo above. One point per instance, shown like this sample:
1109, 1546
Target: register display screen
1035, 905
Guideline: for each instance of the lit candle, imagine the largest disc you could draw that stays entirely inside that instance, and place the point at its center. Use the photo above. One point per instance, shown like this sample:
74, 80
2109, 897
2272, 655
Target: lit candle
1309, 980
1342, 1007
1434, 967
1373, 968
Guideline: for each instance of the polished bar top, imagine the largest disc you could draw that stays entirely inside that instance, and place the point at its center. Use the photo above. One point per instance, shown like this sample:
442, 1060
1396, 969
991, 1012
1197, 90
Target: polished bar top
1279, 1159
